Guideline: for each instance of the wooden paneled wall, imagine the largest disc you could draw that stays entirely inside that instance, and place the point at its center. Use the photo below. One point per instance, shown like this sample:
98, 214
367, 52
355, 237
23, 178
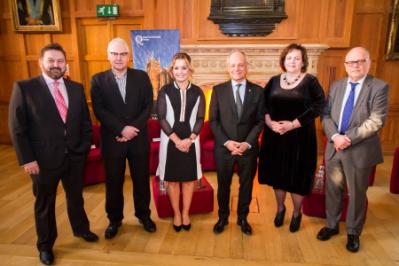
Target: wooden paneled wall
337, 23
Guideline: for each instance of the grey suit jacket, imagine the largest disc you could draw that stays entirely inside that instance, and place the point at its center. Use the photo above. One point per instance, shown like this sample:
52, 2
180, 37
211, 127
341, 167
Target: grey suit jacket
367, 119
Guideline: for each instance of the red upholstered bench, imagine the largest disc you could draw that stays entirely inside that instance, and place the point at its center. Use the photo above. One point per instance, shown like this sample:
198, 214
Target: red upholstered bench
94, 169
154, 133
314, 204
202, 201
207, 143
394, 184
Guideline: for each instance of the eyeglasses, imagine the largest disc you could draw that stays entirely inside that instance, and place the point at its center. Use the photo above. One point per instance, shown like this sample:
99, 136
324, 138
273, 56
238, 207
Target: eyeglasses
115, 54
355, 62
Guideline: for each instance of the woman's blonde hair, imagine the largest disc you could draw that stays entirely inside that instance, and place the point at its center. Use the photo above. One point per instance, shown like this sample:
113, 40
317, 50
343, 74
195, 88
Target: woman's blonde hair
186, 59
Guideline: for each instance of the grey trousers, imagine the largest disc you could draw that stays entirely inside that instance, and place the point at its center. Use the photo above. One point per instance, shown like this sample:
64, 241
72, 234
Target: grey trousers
341, 173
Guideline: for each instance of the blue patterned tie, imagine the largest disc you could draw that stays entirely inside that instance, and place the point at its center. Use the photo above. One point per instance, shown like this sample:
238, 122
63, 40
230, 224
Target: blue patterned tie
346, 115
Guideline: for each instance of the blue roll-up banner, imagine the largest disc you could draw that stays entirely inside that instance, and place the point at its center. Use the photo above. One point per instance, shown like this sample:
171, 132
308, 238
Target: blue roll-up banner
153, 51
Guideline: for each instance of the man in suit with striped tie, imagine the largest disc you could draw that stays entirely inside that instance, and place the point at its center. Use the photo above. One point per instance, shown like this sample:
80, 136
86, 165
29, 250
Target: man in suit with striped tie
355, 113
51, 131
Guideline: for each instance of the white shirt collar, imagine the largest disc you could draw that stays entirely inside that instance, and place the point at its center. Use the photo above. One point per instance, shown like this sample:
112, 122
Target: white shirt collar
360, 81
50, 81
243, 83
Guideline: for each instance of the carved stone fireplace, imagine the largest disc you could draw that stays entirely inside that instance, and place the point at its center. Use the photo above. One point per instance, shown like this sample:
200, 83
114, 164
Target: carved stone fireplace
210, 63
209, 60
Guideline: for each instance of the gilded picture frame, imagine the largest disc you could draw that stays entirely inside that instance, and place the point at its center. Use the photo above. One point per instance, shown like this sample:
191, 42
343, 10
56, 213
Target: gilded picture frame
393, 37
36, 15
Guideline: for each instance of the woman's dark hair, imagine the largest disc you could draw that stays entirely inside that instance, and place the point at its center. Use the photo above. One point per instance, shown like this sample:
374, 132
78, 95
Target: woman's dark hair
289, 48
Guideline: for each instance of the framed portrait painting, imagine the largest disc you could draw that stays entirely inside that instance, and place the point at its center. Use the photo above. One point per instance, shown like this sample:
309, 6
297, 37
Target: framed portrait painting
393, 38
36, 15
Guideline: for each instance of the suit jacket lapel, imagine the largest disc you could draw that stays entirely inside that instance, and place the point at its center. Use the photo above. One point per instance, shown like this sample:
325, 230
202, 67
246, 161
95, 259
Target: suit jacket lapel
71, 99
339, 99
113, 86
129, 82
363, 93
49, 98
247, 97
230, 95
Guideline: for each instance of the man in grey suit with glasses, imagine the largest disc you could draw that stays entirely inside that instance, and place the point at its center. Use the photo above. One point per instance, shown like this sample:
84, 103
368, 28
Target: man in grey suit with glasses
355, 113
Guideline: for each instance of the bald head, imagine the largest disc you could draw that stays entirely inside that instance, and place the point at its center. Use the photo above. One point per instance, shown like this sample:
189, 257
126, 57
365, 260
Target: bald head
118, 55
357, 63
117, 42
358, 51
237, 65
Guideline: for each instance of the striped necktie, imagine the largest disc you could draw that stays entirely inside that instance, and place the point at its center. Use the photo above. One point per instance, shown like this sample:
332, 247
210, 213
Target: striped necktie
60, 102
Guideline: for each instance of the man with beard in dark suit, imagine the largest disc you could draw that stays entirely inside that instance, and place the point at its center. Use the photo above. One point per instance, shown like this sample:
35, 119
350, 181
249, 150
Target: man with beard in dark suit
236, 119
51, 130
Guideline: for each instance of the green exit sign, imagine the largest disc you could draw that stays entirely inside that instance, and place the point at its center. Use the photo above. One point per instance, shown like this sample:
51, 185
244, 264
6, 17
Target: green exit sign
108, 10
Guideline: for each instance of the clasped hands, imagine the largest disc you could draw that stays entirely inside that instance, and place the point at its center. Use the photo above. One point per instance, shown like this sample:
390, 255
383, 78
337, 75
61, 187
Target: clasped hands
341, 142
182, 145
128, 133
236, 148
281, 127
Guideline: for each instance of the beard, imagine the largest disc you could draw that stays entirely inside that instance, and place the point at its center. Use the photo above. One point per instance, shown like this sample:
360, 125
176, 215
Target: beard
55, 72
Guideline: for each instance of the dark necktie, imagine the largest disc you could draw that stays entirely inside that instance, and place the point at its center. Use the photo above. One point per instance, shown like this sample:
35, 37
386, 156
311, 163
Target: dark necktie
348, 108
238, 101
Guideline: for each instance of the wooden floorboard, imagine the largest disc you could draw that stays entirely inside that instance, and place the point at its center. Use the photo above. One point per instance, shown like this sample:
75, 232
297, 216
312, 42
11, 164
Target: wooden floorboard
133, 246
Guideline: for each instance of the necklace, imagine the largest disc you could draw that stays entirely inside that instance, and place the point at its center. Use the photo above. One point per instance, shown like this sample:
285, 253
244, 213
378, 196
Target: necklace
293, 82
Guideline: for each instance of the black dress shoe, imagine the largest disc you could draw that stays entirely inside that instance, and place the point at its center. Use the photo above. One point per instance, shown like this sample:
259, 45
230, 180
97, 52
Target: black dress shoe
279, 219
112, 230
326, 233
148, 224
219, 226
46, 257
88, 236
245, 227
186, 227
295, 223
353, 243
177, 227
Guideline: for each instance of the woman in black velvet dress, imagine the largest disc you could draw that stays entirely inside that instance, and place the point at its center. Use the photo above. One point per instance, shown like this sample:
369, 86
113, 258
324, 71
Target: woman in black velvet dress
288, 155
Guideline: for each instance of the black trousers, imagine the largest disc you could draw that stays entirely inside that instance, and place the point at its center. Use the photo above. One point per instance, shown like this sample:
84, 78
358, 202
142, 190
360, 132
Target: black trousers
246, 173
45, 190
115, 177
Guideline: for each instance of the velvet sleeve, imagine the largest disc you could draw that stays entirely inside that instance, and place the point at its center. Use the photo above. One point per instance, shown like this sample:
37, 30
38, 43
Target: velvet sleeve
200, 114
266, 93
162, 109
314, 102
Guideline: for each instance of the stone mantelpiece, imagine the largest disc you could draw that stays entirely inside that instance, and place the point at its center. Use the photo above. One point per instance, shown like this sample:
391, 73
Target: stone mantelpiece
209, 60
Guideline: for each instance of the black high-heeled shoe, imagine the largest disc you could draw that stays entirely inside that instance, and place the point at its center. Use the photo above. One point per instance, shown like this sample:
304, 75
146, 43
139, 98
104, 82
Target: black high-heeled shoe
177, 227
279, 219
187, 227
295, 223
